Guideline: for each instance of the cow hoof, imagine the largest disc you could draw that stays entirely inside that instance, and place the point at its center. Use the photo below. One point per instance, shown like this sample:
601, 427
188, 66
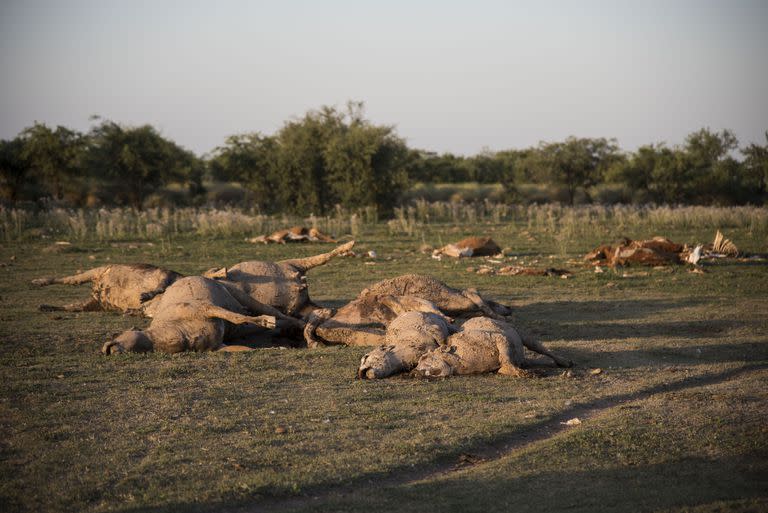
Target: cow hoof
112, 347
515, 372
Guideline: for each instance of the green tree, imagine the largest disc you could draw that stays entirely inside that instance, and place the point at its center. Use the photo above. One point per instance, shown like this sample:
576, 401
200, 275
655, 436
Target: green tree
671, 176
331, 157
300, 173
53, 155
488, 167
13, 168
138, 158
577, 163
366, 165
636, 172
248, 159
713, 171
756, 168
429, 167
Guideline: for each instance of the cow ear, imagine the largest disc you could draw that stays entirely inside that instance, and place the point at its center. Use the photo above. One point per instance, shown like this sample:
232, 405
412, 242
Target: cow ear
220, 274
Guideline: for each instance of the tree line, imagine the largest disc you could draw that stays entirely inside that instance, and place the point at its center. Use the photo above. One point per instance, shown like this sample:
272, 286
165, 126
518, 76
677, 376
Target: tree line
335, 156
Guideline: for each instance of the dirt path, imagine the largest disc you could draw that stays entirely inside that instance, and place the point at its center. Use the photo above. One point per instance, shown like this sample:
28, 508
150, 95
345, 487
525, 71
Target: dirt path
492, 450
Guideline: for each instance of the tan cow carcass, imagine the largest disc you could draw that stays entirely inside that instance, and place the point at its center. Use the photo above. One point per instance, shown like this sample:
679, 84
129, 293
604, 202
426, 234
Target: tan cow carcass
363, 321
469, 247
282, 284
483, 345
125, 288
293, 234
194, 314
411, 334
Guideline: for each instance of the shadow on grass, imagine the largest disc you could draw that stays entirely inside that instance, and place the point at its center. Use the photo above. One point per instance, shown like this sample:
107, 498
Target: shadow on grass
705, 328
552, 491
662, 356
602, 310
684, 482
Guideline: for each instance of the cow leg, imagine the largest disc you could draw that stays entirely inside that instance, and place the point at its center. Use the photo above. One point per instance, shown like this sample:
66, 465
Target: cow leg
305, 264
473, 296
315, 319
499, 308
537, 347
511, 356
148, 296
89, 305
306, 310
289, 326
75, 279
265, 321
258, 307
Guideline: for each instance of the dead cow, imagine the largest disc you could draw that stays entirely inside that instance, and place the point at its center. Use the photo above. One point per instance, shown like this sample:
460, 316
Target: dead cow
483, 345
294, 234
653, 252
194, 314
469, 247
121, 287
363, 321
411, 334
281, 285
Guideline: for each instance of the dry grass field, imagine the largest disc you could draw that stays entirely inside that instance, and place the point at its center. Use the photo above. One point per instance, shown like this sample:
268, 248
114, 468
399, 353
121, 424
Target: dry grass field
676, 418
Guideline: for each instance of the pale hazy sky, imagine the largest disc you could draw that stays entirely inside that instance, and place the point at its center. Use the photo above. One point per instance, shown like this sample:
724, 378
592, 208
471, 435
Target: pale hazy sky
452, 76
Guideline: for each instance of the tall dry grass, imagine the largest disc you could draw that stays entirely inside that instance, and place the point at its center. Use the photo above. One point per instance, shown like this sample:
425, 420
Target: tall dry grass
562, 222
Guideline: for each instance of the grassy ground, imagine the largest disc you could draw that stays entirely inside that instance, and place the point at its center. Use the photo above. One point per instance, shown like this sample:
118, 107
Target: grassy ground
677, 419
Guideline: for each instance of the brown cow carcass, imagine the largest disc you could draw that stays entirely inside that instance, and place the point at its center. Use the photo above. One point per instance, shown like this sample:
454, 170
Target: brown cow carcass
652, 252
293, 234
469, 247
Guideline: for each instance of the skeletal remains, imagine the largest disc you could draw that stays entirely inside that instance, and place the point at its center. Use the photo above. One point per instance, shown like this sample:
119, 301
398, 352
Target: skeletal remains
659, 251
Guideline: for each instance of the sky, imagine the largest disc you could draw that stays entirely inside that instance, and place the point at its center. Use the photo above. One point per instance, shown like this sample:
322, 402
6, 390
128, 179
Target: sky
460, 77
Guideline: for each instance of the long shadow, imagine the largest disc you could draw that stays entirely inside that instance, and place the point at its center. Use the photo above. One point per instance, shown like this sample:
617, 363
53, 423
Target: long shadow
680, 483
661, 356
700, 328
602, 310
491, 448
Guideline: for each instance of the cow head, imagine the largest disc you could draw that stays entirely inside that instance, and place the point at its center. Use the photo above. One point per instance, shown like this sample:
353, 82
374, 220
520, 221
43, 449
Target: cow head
379, 363
131, 341
438, 363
